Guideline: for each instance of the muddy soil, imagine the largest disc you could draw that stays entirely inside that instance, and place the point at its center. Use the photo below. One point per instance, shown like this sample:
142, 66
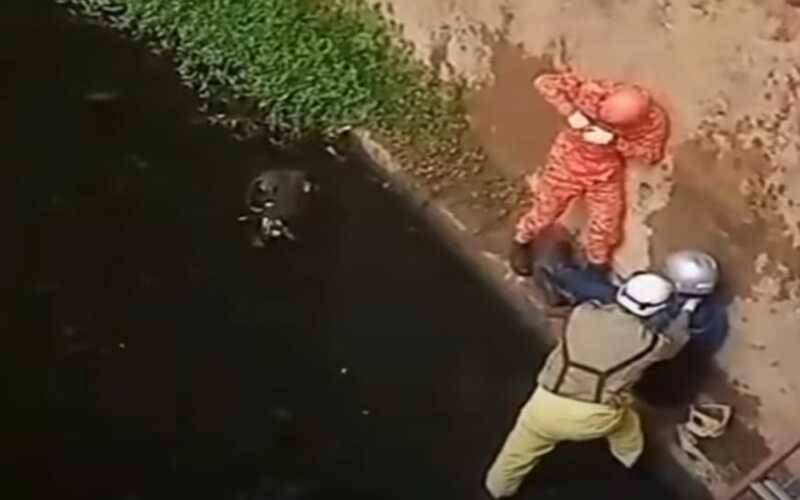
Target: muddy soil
510, 120
732, 221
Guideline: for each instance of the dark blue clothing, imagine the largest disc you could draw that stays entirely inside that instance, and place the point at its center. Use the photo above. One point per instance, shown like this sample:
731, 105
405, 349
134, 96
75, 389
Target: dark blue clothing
709, 323
581, 284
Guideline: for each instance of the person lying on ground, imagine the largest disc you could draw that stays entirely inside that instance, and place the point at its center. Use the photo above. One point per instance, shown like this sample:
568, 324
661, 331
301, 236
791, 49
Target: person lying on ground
694, 273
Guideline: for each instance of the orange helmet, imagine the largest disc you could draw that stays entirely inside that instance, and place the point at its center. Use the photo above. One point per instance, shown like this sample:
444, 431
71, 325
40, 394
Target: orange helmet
627, 105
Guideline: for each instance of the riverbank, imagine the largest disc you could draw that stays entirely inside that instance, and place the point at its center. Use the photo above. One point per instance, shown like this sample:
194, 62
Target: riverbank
733, 161
155, 354
728, 75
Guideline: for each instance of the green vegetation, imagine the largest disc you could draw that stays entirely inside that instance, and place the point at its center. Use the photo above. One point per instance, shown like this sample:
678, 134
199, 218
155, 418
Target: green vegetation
298, 67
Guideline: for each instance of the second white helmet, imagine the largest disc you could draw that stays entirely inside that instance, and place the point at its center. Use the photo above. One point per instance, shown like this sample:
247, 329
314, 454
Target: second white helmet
645, 294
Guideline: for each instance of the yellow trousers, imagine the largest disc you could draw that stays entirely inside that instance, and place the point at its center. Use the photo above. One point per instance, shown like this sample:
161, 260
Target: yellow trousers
545, 420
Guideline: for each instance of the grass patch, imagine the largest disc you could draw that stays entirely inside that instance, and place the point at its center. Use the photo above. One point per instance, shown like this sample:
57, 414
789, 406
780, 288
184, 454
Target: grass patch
298, 67
310, 68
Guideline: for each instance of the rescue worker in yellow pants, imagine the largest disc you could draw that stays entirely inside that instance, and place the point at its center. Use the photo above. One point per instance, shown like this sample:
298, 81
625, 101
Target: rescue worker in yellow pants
582, 389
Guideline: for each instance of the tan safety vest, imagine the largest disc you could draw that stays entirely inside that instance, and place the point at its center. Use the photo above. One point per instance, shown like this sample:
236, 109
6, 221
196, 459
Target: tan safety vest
604, 351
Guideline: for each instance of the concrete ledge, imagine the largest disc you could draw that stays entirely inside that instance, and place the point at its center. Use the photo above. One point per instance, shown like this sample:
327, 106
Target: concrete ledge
462, 237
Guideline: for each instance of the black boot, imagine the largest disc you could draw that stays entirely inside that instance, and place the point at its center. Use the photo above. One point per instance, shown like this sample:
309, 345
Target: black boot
521, 258
562, 254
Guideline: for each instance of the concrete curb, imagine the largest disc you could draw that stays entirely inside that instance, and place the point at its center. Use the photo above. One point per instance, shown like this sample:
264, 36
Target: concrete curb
491, 267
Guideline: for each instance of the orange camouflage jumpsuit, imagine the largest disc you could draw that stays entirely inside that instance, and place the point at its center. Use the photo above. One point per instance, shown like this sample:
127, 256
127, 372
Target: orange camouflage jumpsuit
576, 168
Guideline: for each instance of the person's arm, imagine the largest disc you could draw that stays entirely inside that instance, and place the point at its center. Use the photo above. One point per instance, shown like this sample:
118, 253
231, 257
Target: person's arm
709, 325
648, 141
560, 90
676, 334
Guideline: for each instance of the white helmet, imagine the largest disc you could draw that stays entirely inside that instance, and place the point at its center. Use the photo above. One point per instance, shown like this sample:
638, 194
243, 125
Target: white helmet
645, 294
693, 272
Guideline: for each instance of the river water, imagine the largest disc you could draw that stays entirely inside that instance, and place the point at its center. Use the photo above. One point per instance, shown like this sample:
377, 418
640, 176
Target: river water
155, 354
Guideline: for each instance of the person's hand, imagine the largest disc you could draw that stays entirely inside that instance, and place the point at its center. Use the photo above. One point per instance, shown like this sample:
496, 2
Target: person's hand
577, 120
691, 305
597, 135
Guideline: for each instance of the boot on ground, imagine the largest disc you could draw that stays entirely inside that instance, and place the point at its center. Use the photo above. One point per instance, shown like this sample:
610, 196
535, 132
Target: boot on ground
521, 258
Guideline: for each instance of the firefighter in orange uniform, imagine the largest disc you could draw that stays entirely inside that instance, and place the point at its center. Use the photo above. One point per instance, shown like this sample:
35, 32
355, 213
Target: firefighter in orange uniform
608, 123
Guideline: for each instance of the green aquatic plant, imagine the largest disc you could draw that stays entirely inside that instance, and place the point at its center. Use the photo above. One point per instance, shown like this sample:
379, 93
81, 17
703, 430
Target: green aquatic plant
296, 67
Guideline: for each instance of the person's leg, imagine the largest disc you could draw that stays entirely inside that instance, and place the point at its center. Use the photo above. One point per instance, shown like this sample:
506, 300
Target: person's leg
582, 285
556, 189
523, 449
626, 441
605, 202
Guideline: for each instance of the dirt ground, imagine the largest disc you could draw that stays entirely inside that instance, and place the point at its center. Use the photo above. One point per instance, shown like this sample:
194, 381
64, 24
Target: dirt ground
728, 71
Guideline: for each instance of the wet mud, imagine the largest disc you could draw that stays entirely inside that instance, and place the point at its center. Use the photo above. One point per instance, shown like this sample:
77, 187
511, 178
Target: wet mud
720, 204
509, 119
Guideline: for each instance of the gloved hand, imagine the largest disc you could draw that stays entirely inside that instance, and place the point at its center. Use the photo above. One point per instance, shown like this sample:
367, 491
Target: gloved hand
597, 135
691, 305
577, 120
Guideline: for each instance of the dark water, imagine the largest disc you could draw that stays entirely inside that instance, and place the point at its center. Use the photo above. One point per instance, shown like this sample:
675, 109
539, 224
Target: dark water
152, 354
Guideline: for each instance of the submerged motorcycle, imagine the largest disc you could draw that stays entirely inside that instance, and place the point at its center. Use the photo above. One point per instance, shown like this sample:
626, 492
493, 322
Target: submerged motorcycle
274, 199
